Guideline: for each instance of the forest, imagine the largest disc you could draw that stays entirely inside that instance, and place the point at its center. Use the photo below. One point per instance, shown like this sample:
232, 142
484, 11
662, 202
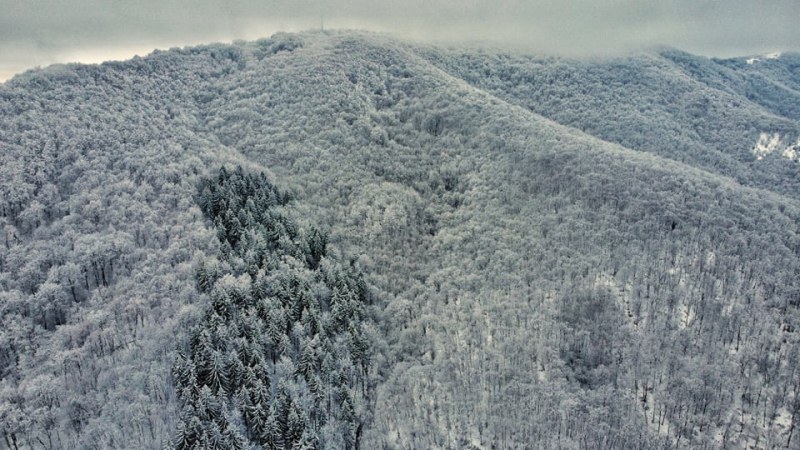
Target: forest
346, 240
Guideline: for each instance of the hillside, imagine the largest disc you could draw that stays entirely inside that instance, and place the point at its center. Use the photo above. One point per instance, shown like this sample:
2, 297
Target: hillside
555, 253
729, 117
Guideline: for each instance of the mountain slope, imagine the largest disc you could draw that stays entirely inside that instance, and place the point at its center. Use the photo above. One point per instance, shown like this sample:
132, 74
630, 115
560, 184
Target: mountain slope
708, 113
538, 286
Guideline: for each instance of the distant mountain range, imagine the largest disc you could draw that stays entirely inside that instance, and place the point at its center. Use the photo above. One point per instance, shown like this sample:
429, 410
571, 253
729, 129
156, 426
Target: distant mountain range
346, 240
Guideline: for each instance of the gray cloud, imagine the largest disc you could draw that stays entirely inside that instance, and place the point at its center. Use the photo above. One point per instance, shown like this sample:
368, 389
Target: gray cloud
40, 32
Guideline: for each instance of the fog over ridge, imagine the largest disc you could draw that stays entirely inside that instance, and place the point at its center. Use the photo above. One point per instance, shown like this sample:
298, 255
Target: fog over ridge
42, 32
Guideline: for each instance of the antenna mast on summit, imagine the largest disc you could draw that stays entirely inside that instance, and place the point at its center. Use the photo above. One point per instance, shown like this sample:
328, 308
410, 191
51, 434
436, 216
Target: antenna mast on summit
321, 23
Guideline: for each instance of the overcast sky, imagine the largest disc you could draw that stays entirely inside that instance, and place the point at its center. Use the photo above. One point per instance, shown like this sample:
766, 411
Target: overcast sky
41, 32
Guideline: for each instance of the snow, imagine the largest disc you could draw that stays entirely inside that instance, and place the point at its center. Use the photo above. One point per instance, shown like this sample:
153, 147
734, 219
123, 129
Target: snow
770, 142
773, 55
792, 151
767, 143
784, 419
687, 316
711, 258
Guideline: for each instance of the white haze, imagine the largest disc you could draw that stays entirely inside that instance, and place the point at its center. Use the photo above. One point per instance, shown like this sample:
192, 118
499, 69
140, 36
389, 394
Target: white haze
42, 32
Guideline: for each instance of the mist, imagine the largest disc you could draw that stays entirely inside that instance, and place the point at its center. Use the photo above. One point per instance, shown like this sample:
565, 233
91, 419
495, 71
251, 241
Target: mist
41, 32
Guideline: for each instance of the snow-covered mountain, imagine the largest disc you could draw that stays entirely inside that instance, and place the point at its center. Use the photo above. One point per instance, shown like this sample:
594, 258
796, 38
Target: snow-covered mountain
555, 253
